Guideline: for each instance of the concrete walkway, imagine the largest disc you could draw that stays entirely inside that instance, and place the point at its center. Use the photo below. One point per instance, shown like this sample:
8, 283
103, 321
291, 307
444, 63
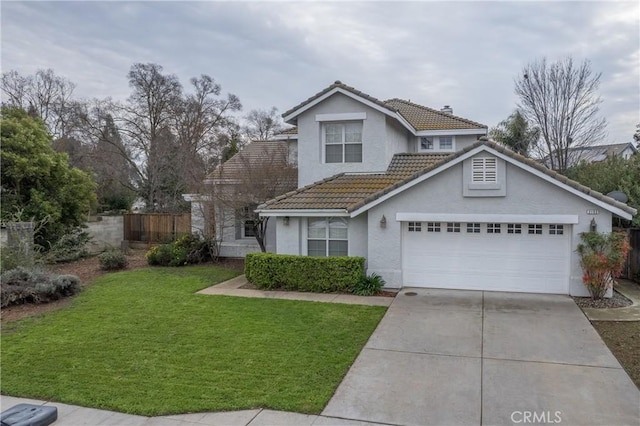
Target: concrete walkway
233, 286
447, 357
628, 289
71, 415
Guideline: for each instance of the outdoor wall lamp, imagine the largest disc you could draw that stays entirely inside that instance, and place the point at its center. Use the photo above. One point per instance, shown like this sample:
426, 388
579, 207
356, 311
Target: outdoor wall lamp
383, 222
593, 226
285, 220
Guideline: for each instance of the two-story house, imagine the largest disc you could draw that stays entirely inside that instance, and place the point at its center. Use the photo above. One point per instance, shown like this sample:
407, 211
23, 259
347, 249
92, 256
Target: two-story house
428, 200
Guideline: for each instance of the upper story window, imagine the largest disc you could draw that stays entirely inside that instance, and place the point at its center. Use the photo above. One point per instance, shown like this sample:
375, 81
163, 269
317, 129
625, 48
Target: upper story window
436, 143
327, 236
343, 142
484, 170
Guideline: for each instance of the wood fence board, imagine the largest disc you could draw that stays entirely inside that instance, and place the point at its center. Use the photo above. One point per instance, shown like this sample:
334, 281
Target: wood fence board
156, 227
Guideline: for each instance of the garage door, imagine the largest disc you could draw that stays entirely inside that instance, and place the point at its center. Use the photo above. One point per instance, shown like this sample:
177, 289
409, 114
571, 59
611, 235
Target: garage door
487, 256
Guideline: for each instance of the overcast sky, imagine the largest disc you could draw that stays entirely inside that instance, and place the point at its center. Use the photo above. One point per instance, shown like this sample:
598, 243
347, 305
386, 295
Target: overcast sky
464, 54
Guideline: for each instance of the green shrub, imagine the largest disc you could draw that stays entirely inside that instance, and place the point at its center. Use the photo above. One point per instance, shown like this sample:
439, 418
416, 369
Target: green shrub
186, 250
303, 273
602, 257
197, 249
69, 247
23, 285
167, 255
112, 260
368, 285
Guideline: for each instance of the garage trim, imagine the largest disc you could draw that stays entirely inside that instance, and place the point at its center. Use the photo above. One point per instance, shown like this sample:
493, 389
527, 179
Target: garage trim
488, 218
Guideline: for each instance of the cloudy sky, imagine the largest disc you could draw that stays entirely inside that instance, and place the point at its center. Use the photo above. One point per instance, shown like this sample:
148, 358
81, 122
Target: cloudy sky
464, 54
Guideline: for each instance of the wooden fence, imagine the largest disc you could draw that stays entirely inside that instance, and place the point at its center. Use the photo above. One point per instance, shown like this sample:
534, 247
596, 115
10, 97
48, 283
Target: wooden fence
156, 227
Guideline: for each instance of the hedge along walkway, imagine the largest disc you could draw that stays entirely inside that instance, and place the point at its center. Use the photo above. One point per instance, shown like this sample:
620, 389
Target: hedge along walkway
233, 286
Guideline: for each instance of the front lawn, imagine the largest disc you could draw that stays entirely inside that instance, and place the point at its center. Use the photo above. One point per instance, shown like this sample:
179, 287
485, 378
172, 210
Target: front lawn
142, 342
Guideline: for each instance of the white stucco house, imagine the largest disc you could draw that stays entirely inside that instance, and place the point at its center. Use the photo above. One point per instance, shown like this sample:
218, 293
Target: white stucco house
428, 200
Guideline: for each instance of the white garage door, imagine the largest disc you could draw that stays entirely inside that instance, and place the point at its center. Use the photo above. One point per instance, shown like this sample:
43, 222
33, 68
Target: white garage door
487, 256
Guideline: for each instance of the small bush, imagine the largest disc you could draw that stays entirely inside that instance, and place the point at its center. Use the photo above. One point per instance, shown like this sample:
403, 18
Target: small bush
167, 255
303, 273
112, 260
368, 285
23, 285
602, 257
70, 247
186, 250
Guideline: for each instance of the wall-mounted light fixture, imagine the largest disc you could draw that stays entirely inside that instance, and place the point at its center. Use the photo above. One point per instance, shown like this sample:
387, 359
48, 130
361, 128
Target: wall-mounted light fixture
285, 220
593, 226
383, 222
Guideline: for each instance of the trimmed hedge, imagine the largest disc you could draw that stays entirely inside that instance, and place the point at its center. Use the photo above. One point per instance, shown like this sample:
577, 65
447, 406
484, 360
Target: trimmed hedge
270, 271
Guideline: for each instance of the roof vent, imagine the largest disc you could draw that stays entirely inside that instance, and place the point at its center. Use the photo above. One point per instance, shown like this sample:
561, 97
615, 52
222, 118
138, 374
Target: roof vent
337, 82
447, 110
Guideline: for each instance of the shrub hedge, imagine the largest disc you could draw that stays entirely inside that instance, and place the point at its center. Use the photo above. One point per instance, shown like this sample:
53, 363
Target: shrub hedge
112, 260
303, 273
23, 285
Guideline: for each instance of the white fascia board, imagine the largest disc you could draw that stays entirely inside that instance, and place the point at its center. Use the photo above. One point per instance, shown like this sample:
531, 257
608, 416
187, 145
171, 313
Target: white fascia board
452, 132
567, 219
285, 137
613, 209
304, 213
342, 117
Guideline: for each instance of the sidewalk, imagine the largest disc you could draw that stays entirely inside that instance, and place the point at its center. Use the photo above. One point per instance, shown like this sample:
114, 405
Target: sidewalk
71, 415
629, 290
233, 286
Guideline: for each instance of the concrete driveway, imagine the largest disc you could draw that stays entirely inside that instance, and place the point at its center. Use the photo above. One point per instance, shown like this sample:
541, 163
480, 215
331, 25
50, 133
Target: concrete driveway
447, 357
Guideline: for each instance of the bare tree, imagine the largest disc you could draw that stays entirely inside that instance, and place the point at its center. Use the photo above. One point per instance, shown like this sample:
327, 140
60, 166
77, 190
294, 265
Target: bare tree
260, 172
262, 125
561, 100
44, 95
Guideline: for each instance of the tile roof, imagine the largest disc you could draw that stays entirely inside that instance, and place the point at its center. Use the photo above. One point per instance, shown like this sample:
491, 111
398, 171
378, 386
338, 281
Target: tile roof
256, 152
353, 191
425, 118
418, 116
289, 131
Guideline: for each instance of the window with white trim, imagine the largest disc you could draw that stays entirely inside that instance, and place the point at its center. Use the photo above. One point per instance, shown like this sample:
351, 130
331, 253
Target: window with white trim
327, 236
453, 227
248, 229
473, 228
426, 143
535, 229
493, 228
445, 142
556, 229
433, 226
415, 226
436, 143
484, 170
514, 228
343, 142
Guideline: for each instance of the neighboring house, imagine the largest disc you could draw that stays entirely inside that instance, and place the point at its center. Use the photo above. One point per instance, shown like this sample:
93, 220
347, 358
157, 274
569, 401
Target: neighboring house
260, 171
596, 153
428, 204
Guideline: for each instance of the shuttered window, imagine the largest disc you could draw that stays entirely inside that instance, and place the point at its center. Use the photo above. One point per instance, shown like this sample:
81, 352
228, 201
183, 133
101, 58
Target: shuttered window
484, 170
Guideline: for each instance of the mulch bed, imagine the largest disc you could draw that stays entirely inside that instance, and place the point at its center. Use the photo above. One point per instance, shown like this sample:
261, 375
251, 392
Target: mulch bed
623, 339
616, 301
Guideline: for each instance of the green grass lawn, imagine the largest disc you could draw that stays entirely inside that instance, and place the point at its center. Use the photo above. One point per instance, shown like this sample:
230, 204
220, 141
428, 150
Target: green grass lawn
142, 342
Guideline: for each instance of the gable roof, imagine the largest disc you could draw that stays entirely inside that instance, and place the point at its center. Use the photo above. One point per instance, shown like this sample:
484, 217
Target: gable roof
417, 117
355, 193
276, 151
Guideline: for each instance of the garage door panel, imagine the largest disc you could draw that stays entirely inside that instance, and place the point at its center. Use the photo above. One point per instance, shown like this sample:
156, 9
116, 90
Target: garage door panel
502, 262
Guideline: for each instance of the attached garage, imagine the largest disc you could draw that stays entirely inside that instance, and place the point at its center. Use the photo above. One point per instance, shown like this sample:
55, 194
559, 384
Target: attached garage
517, 257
